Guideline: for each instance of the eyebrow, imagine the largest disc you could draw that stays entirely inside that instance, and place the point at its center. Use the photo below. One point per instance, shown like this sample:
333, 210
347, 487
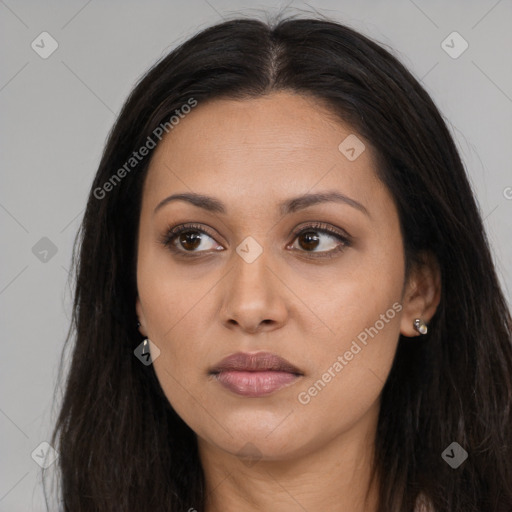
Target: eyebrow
291, 205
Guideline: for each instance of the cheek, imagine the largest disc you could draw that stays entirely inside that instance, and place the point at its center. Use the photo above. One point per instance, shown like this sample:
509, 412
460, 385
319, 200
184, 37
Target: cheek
356, 293
174, 320
172, 305
174, 315
350, 369
171, 293
362, 308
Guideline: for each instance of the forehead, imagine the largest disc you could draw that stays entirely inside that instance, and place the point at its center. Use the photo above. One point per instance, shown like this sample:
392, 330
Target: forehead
273, 146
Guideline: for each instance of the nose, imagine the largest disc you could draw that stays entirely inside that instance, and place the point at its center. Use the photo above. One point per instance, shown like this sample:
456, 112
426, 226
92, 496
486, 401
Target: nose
253, 296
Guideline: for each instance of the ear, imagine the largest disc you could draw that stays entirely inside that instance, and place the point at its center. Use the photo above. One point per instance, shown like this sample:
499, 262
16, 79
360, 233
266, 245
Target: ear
422, 293
141, 317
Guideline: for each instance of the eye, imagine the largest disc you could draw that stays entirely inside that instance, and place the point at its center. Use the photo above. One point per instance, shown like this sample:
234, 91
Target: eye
318, 239
321, 240
187, 239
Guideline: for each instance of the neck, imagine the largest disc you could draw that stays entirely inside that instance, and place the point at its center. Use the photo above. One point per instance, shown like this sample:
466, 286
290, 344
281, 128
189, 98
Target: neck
332, 475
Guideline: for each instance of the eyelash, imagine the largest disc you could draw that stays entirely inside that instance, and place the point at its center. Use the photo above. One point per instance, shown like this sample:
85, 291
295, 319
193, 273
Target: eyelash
173, 232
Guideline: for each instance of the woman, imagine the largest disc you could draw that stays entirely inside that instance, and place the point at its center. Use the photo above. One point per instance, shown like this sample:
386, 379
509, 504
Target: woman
285, 297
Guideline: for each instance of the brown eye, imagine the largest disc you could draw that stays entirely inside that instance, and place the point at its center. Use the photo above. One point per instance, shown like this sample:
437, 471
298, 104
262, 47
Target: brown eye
320, 240
308, 240
189, 240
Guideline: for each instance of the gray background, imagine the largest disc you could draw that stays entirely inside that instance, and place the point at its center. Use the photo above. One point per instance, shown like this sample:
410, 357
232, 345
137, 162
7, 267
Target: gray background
56, 113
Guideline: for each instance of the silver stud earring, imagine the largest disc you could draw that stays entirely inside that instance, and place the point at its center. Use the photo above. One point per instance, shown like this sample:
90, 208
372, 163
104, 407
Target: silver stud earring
420, 326
138, 324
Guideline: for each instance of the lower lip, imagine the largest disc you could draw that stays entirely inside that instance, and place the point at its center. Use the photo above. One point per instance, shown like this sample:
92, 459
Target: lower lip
254, 384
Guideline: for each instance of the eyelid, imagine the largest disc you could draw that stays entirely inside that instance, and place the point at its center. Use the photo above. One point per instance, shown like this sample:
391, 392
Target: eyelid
324, 228
173, 232
344, 238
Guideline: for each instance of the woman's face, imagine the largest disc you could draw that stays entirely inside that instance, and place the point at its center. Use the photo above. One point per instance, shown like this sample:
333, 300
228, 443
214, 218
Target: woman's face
257, 272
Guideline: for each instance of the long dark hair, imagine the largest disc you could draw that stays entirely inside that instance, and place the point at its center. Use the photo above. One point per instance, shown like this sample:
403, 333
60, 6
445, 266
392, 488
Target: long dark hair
122, 446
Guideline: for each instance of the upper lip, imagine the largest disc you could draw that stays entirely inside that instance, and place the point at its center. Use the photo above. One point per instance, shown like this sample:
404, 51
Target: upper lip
261, 361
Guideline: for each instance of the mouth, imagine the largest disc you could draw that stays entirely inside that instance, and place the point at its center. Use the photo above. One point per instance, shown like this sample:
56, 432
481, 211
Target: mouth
255, 375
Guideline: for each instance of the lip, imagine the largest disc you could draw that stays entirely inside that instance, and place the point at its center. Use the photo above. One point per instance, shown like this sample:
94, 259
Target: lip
256, 374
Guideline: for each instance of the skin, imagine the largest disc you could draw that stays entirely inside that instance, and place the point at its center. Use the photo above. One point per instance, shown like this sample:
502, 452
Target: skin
251, 155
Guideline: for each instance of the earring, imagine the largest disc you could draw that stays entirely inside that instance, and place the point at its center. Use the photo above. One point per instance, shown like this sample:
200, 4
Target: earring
420, 326
145, 348
138, 324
